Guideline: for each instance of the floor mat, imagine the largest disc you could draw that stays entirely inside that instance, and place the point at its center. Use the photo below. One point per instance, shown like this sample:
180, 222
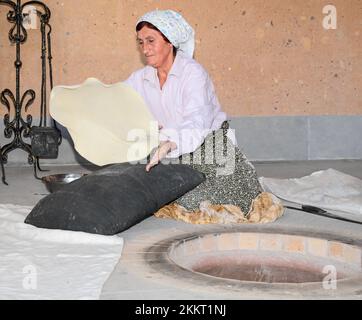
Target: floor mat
44, 264
329, 189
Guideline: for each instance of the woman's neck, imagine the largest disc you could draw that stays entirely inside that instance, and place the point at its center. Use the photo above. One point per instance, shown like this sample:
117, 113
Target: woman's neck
162, 71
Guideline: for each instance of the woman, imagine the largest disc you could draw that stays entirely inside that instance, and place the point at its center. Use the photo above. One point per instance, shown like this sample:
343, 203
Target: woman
176, 88
181, 96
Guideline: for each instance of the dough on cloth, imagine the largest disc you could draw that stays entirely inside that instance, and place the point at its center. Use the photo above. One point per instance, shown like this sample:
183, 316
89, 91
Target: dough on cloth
108, 123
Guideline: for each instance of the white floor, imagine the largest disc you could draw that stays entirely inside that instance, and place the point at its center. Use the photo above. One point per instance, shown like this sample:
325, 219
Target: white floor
134, 277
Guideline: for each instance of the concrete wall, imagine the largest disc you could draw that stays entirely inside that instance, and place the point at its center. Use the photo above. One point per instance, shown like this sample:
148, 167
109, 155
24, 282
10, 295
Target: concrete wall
264, 139
268, 59
299, 137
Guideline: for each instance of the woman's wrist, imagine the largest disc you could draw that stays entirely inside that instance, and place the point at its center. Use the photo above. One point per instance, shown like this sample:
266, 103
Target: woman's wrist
169, 145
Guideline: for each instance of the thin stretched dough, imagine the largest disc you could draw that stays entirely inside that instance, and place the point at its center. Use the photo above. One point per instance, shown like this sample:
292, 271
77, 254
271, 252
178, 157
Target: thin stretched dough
108, 123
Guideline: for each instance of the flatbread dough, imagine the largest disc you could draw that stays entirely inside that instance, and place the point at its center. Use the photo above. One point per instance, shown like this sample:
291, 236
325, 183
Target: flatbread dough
108, 123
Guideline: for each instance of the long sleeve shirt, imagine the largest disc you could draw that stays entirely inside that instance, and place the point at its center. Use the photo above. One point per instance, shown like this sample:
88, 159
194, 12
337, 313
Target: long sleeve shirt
186, 107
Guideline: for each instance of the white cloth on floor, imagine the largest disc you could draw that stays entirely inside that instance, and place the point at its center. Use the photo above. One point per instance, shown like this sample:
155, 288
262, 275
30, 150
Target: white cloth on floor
44, 264
327, 189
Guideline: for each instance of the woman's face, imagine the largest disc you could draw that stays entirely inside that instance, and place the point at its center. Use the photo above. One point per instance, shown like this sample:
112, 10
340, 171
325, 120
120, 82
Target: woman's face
156, 50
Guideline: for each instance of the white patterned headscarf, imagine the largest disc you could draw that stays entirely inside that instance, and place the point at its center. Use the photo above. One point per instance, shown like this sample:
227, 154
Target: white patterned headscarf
174, 27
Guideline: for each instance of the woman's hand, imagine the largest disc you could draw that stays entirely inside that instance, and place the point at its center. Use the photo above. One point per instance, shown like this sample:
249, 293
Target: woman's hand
164, 148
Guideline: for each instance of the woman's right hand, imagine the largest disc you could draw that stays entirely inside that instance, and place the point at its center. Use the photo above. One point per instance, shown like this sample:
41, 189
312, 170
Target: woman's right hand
164, 148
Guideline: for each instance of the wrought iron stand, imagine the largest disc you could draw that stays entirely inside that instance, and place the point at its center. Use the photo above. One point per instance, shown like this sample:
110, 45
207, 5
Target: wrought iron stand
18, 128
2, 167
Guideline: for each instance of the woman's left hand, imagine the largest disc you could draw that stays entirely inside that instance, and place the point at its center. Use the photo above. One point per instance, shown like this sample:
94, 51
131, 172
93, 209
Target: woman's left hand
164, 148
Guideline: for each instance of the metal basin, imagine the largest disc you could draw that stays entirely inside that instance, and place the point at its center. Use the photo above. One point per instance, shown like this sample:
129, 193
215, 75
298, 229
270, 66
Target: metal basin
56, 182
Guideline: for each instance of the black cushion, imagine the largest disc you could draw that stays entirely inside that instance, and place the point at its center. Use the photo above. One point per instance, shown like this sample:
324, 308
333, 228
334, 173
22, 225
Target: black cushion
114, 198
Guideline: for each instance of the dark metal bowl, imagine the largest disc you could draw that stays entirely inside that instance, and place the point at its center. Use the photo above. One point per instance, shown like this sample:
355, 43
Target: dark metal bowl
55, 182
